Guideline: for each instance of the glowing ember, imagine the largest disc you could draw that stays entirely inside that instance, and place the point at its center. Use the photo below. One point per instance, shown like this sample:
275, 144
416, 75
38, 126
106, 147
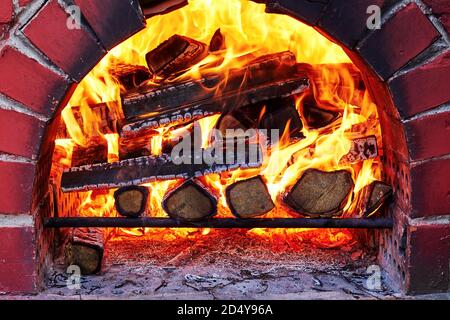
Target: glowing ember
249, 32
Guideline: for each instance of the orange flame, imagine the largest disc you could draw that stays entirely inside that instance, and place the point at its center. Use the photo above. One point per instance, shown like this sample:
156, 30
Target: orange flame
249, 33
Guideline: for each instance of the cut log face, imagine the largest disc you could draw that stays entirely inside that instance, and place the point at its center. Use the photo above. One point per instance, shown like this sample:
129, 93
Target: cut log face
321, 194
131, 201
316, 117
190, 202
374, 196
95, 152
176, 54
85, 249
362, 149
249, 198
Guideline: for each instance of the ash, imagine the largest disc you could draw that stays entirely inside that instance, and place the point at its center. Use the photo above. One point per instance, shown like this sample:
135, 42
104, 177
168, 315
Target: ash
225, 264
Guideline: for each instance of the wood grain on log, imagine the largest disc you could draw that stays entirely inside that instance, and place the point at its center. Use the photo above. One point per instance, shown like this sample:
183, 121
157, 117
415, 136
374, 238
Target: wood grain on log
95, 152
176, 54
85, 249
190, 201
374, 196
147, 169
131, 201
249, 198
320, 194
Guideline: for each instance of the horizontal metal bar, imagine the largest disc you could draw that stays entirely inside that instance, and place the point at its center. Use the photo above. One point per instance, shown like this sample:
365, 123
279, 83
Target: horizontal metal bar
77, 222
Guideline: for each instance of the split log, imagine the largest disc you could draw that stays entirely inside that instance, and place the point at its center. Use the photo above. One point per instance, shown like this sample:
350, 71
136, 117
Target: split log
147, 169
85, 249
320, 194
316, 117
374, 196
176, 54
281, 113
190, 201
135, 147
106, 114
131, 201
217, 42
249, 198
95, 152
130, 76
261, 72
362, 149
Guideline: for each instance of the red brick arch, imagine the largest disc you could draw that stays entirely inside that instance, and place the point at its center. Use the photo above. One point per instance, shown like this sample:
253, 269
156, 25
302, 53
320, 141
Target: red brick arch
407, 64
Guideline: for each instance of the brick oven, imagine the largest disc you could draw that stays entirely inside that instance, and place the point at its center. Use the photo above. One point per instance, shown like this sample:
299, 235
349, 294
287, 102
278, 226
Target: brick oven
48, 47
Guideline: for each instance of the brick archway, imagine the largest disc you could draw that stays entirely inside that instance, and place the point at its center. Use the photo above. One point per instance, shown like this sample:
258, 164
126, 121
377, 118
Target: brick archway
408, 69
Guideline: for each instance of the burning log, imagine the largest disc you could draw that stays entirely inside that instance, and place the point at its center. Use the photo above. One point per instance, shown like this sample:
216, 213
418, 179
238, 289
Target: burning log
217, 42
190, 201
176, 54
281, 113
316, 117
249, 198
320, 194
147, 169
362, 149
95, 152
135, 147
374, 196
130, 76
263, 73
238, 121
106, 115
131, 201
85, 249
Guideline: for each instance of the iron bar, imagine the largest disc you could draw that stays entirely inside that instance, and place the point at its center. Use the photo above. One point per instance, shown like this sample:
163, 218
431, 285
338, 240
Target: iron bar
78, 222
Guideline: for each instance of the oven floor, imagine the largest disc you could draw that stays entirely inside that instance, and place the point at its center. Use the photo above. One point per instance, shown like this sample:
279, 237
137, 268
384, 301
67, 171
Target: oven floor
223, 265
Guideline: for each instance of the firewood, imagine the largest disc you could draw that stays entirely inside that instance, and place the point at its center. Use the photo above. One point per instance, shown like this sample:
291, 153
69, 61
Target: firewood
106, 114
130, 76
131, 201
152, 8
190, 201
85, 249
362, 149
279, 114
316, 117
320, 194
265, 72
374, 196
240, 119
249, 198
134, 147
217, 42
176, 54
147, 169
95, 152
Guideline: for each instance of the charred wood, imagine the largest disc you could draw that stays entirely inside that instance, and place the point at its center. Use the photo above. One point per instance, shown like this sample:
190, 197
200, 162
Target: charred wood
130, 76
95, 152
374, 196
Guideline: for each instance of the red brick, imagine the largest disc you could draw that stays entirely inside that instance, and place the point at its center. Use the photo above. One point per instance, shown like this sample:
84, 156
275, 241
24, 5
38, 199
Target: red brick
6, 11
20, 134
17, 278
430, 188
16, 187
346, 20
440, 9
428, 136
25, 80
73, 50
429, 254
308, 11
23, 3
113, 21
17, 245
423, 88
399, 40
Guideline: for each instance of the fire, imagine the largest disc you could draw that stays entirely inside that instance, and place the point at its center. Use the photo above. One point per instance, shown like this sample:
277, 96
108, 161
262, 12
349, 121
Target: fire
249, 33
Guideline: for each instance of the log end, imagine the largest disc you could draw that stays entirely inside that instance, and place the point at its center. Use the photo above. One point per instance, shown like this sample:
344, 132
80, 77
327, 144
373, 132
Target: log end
321, 194
131, 201
249, 198
375, 195
190, 202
